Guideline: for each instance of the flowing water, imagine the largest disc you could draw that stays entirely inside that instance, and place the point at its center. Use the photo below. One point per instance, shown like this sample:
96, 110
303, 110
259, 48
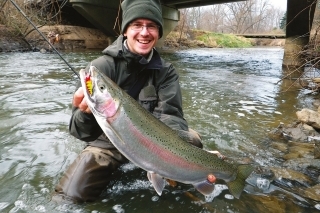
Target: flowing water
231, 97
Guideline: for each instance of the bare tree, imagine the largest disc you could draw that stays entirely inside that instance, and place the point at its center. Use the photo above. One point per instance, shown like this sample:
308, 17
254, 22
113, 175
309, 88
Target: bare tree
238, 15
277, 16
212, 18
194, 17
40, 12
182, 25
251, 16
259, 16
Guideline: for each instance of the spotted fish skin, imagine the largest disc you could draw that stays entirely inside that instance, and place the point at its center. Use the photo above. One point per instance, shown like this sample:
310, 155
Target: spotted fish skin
152, 145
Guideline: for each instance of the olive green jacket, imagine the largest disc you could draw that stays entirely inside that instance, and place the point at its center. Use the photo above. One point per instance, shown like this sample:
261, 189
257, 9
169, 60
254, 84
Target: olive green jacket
161, 94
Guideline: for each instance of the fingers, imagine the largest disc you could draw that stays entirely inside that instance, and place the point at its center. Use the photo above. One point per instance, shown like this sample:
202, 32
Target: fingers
80, 102
172, 183
78, 97
211, 178
218, 154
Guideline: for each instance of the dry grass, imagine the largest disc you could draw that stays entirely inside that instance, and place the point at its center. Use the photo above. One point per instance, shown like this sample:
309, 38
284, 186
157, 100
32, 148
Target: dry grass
176, 39
44, 13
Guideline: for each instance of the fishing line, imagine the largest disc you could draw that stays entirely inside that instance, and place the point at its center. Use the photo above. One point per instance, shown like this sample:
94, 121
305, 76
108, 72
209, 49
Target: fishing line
34, 26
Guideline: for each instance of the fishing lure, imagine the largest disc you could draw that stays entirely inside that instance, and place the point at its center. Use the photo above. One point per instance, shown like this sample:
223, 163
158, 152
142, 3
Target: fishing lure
89, 84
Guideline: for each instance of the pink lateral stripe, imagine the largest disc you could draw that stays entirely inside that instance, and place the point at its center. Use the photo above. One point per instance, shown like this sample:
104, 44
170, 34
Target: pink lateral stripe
162, 153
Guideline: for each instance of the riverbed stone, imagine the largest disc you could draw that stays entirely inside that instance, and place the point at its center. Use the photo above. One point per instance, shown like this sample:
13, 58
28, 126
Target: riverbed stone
296, 131
283, 147
301, 164
317, 150
298, 145
316, 103
313, 192
267, 204
292, 156
291, 174
309, 117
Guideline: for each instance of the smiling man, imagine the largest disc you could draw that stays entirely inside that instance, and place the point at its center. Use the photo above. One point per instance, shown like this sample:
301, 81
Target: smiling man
135, 65
142, 36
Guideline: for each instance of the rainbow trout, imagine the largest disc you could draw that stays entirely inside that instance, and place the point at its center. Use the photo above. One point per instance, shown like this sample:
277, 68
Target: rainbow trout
152, 145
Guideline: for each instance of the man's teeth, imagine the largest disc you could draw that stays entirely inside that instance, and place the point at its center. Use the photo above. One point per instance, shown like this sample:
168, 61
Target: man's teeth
144, 42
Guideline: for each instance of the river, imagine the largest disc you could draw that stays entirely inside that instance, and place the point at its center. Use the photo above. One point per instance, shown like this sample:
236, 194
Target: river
232, 97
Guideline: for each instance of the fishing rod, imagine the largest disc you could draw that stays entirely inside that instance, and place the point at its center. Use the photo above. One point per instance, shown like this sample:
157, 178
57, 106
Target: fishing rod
34, 26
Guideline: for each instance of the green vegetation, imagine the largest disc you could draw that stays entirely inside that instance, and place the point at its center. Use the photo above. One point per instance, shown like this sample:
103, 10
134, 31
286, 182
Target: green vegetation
224, 40
199, 38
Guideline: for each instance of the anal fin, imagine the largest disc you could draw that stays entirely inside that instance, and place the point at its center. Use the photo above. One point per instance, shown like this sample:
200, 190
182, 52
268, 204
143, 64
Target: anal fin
157, 181
204, 187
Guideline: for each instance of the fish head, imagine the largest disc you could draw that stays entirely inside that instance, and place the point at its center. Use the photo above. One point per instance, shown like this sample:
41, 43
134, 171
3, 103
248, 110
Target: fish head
100, 92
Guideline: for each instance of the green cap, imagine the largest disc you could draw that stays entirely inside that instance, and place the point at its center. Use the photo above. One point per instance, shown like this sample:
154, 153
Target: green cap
135, 9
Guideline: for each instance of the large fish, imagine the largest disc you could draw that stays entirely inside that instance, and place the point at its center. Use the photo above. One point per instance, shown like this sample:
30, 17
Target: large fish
152, 145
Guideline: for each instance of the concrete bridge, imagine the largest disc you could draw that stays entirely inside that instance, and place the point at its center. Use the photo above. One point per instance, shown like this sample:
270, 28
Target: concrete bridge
107, 18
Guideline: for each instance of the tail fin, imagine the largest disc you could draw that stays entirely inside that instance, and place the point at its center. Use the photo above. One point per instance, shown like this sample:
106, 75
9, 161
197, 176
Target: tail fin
236, 186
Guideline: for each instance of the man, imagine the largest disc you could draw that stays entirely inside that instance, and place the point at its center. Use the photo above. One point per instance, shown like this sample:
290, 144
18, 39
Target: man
133, 63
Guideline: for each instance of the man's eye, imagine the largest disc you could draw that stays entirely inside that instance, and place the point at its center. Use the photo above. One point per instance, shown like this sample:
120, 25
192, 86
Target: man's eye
137, 25
152, 27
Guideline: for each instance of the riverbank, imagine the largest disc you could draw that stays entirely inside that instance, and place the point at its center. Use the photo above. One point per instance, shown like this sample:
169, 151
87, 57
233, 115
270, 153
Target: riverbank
62, 37
10, 42
200, 39
66, 37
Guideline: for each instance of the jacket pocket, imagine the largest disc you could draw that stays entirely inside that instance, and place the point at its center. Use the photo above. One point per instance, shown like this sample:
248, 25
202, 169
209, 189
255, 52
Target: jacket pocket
148, 98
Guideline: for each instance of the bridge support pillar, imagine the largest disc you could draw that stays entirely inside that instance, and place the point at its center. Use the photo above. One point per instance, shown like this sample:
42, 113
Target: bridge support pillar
170, 21
292, 59
299, 21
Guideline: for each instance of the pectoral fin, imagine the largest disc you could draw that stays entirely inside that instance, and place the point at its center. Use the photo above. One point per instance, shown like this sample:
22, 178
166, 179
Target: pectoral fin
205, 187
157, 181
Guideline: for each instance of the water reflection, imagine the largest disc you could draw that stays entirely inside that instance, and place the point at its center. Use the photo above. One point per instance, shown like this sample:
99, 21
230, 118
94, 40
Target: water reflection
230, 96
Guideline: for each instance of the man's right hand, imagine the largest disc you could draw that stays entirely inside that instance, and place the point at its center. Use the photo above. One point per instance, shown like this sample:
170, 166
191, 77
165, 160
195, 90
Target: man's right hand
80, 102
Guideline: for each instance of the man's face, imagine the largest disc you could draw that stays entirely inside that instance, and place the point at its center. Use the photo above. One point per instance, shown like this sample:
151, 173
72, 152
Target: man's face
142, 35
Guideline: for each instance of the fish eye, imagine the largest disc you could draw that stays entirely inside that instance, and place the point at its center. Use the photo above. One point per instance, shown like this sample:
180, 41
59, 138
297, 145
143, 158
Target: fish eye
101, 86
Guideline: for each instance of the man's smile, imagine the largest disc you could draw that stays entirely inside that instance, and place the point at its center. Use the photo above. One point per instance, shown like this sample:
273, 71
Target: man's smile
144, 41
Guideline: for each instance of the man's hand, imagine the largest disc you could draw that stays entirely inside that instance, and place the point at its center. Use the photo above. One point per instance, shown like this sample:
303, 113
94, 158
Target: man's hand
218, 154
80, 102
